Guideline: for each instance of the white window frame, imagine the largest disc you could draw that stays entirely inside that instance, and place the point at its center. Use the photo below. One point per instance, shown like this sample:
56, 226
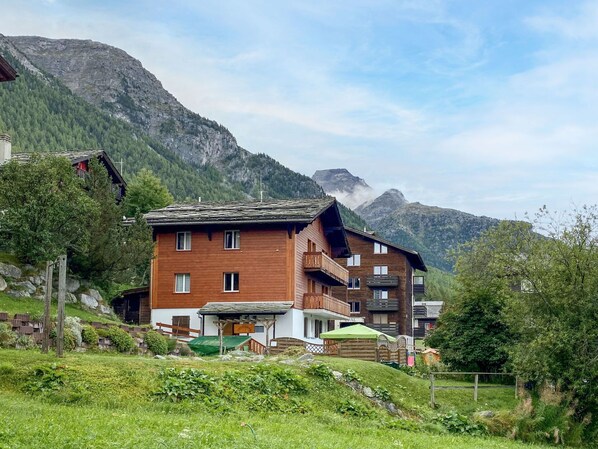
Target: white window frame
380, 248
186, 241
186, 282
354, 260
355, 306
235, 239
380, 293
352, 285
380, 270
232, 276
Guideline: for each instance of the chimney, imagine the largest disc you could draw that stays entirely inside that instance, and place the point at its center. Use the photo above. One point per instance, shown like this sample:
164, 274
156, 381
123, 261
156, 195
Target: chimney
5, 148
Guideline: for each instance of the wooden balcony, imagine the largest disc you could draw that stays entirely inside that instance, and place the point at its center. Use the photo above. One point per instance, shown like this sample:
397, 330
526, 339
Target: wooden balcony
325, 269
321, 303
419, 286
389, 329
382, 305
382, 280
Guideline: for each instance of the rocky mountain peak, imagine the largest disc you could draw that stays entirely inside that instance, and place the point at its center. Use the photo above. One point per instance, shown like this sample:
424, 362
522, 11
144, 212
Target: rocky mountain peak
339, 182
384, 205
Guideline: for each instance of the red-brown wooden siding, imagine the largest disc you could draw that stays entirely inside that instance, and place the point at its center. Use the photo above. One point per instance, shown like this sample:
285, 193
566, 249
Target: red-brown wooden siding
397, 266
262, 264
315, 233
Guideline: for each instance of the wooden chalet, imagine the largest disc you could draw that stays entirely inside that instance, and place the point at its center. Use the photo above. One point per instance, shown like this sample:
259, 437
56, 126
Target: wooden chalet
7, 72
80, 161
380, 291
264, 269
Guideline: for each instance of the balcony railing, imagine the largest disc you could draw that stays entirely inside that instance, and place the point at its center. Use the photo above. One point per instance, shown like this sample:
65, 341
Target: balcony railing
382, 280
326, 269
320, 301
382, 305
390, 329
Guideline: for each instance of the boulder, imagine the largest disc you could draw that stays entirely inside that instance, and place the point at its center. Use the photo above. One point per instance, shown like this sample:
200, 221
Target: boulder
88, 301
36, 280
3, 284
95, 295
24, 286
72, 285
159, 357
367, 391
337, 375
105, 309
20, 294
306, 358
70, 298
9, 270
485, 414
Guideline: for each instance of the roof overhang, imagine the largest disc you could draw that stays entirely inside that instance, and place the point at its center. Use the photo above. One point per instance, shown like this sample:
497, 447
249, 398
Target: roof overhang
326, 314
246, 308
7, 72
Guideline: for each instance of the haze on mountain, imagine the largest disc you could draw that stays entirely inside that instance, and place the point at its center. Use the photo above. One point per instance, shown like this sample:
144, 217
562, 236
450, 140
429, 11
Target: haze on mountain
432, 231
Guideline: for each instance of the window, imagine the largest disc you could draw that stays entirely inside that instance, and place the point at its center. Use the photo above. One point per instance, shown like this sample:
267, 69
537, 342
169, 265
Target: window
305, 328
232, 239
182, 283
354, 284
311, 246
258, 329
317, 328
380, 270
380, 318
231, 282
355, 306
182, 322
418, 280
380, 294
183, 241
379, 248
429, 326
354, 260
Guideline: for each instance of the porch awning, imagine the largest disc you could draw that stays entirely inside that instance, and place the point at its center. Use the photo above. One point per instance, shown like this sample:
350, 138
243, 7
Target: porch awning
246, 308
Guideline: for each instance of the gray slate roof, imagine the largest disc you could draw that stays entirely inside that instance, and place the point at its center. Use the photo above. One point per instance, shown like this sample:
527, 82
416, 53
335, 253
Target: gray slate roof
73, 156
246, 308
240, 212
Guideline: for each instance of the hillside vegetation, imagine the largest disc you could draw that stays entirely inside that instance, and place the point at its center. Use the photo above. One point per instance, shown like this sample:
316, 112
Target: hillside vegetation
99, 401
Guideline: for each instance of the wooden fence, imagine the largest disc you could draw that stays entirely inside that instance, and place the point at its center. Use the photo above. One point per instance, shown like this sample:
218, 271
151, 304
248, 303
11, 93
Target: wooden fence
476, 386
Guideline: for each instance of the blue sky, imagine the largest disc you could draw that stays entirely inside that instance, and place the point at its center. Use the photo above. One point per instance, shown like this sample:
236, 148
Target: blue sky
489, 107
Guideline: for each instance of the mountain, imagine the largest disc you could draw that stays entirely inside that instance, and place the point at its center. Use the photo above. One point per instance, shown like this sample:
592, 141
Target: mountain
116, 83
432, 231
338, 182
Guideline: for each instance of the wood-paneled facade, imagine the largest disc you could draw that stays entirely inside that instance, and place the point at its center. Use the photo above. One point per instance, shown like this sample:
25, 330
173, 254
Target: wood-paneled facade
380, 289
269, 264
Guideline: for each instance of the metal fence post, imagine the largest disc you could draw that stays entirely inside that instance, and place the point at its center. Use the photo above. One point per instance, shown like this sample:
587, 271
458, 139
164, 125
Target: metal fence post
475, 388
61, 298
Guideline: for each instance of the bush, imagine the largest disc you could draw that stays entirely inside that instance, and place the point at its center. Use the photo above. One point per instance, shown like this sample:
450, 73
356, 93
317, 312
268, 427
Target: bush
156, 343
25, 342
185, 350
350, 407
294, 351
179, 384
171, 342
456, 423
121, 340
45, 378
89, 335
382, 393
8, 338
351, 376
70, 340
320, 370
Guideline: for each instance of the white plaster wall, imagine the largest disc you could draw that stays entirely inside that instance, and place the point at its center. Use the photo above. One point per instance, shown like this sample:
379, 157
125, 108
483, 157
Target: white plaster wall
165, 316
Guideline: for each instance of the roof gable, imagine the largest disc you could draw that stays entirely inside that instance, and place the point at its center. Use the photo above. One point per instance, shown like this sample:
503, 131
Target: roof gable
414, 258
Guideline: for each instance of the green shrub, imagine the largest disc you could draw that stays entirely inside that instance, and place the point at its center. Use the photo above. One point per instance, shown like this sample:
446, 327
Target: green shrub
70, 340
456, 423
8, 338
349, 407
294, 351
89, 335
382, 393
103, 333
45, 378
320, 370
121, 340
179, 384
351, 376
25, 342
156, 343
172, 342
185, 350
36, 317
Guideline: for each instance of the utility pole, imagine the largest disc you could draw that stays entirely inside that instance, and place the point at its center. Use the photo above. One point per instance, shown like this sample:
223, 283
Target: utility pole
61, 300
47, 307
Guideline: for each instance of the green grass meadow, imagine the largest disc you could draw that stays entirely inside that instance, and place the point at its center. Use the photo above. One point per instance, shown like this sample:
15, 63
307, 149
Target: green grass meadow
110, 401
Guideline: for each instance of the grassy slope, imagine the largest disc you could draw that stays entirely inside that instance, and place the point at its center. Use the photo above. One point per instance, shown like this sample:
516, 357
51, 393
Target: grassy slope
114, 408
36, 307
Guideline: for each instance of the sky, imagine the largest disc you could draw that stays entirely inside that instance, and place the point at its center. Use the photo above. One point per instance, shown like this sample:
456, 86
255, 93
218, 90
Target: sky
490, 107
